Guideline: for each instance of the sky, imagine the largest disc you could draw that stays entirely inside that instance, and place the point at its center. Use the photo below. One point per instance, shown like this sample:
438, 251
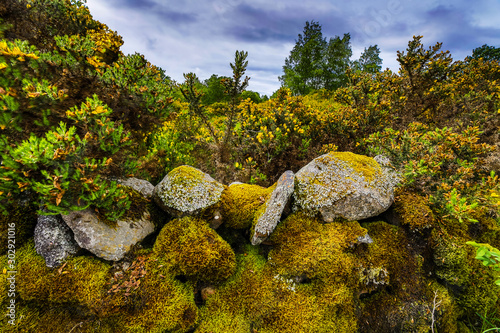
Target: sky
202, 36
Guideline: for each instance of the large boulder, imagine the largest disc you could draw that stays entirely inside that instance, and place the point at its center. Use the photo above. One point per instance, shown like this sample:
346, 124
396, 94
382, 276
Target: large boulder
54, 240
187, 191
271, 214
345, 185
109, 242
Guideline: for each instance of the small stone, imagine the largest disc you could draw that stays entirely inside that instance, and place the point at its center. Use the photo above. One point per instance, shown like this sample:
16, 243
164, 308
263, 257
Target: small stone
54, 240
216, 220
140, 185
207, 292
366, 239
271, 215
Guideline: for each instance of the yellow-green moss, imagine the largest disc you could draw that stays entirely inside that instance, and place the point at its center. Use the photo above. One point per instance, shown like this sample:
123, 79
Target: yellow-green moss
363, 165
305, 246
191, 248
473, 284
240, 203
247, 295
56, 318
414, 211
81, 280
264, 301
162, 304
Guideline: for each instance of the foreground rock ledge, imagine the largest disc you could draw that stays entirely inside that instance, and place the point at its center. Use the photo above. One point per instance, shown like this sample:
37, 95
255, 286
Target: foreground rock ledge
108, 242
345, 185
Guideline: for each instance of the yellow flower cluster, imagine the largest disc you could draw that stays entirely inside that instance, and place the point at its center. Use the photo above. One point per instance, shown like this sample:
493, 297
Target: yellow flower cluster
12, 50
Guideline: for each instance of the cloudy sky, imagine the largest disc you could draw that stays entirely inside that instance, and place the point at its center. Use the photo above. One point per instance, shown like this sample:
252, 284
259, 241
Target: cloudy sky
202, 36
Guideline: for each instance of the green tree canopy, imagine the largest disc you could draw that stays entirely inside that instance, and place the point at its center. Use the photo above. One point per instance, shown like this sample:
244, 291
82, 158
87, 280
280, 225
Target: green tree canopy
315, 63
486, 52
304, 68
369, 61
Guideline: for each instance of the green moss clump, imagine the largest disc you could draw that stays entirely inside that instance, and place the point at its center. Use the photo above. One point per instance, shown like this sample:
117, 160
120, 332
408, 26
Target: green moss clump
56, 318
402, 301
414, 211
192, 249
246, 296
240, 203
472, 284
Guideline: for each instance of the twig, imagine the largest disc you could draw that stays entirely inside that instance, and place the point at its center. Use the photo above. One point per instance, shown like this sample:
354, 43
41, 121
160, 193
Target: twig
434, 308
79, 324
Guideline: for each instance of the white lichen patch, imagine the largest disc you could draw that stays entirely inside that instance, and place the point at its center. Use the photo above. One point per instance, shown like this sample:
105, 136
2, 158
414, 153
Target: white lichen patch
285, 283
187, 190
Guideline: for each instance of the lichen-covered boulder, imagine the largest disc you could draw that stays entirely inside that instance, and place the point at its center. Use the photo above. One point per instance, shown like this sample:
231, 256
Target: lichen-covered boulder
111, 241
54, 240
140, 185
345, 185
187, 191
269, 217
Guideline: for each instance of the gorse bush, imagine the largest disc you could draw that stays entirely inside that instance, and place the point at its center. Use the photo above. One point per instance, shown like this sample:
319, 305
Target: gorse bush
441, 163
76, 112
65, 172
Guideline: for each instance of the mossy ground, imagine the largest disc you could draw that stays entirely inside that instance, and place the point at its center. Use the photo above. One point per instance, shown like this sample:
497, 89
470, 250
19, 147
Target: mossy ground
309, 277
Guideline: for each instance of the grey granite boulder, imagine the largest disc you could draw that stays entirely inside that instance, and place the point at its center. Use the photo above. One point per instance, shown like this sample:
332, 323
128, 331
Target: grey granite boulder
54, 240
268, 218
140, 185
105, 241
345, 185
187, 191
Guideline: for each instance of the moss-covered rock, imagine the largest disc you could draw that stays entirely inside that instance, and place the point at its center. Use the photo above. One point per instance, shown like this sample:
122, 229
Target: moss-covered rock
187, 191
303, 246
240, 202
192, 249
346, 185
81, 280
